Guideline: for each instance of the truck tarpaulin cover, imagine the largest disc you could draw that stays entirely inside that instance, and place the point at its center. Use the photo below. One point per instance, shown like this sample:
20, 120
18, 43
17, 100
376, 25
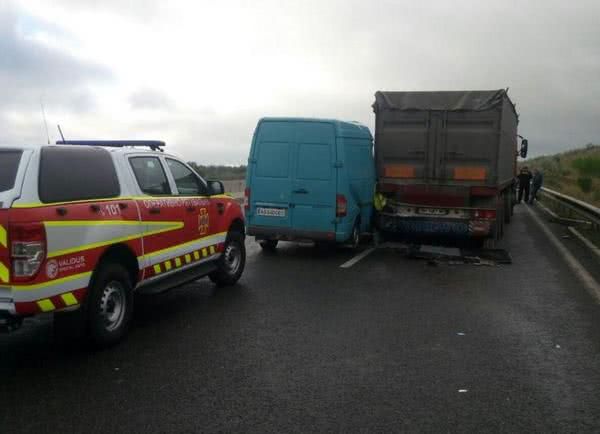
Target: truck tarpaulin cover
476, 100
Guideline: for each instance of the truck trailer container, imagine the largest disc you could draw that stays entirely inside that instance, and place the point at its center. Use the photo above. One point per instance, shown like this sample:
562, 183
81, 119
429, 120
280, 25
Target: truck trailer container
446, 162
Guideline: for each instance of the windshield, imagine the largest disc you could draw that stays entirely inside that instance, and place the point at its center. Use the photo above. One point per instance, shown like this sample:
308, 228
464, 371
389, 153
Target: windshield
9, 164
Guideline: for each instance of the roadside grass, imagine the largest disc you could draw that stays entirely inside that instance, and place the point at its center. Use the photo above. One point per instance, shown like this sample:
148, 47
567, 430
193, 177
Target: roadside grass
575, 173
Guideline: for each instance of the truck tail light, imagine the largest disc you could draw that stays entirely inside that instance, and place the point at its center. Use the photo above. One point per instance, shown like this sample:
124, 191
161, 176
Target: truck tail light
28, 249
247, 199
341, 205
485, 214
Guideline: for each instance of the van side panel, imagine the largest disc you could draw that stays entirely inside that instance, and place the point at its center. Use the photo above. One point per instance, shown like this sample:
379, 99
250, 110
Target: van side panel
359, 170
270, 173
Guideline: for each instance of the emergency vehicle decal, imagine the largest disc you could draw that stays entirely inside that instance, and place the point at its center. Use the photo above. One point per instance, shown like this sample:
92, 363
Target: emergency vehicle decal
203, 221
193, 257
4, 270
63, 236
170, 253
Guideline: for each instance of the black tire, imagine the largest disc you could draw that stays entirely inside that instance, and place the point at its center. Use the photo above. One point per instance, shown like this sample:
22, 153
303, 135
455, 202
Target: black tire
268, 245
354, 240
507, 207
231, 264
109, 305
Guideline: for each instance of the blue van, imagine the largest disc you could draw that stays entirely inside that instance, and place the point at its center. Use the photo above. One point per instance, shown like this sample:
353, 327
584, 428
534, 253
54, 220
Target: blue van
309, 179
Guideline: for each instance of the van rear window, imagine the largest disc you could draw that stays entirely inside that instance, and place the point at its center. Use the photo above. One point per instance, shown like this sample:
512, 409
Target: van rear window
9, 165
77, 173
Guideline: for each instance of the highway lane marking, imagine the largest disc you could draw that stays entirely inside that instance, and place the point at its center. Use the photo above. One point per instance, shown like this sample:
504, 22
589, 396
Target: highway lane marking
357, 258
586, 278
585, 241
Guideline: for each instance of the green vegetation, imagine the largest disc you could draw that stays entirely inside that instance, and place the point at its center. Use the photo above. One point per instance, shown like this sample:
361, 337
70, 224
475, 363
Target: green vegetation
221, 173
575, 173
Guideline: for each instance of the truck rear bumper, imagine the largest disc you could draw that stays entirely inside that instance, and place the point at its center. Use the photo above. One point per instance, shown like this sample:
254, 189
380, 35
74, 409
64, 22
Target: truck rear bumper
434, 226
289, 234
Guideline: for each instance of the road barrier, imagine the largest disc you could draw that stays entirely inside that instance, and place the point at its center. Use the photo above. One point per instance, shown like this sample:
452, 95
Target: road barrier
577, 211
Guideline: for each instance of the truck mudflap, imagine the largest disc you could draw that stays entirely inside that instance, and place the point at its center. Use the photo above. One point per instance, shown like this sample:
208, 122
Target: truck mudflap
428, 226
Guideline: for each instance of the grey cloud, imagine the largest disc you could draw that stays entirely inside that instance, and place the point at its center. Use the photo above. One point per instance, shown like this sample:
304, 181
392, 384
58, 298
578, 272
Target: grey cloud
30, 71
150, 99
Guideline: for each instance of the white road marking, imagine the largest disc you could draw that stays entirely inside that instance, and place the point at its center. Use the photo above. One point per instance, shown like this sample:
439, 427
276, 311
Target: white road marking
585, 241
357, 258
586, 278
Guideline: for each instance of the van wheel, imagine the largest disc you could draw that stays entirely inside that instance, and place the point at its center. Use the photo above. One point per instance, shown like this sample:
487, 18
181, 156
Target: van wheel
230, 265
110, 305
268, 245
355, 237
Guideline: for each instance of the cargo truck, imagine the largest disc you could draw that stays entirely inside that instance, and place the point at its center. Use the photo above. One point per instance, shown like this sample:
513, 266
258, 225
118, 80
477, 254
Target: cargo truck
446, 163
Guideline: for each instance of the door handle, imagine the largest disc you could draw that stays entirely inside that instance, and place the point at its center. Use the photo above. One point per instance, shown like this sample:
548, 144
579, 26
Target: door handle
154, 210
300, 191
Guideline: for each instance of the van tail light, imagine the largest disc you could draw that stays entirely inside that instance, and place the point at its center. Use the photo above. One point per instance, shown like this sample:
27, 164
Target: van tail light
341, 205
485, 214
247, 199
28, 249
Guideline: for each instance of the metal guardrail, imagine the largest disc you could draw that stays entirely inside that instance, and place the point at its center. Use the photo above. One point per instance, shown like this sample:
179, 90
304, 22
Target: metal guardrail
581, 211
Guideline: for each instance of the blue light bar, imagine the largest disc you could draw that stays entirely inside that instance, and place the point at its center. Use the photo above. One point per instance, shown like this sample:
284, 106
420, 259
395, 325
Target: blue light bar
152, 144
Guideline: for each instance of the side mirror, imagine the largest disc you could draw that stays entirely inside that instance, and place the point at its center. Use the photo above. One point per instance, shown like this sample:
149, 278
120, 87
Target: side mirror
215, 188
524, 146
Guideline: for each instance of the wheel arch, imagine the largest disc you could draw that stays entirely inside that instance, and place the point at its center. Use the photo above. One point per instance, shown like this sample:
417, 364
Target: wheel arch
123, 255
237, 225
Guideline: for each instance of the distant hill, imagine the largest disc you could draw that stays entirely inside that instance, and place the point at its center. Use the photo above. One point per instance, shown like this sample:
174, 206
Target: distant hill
221, 173
575, 173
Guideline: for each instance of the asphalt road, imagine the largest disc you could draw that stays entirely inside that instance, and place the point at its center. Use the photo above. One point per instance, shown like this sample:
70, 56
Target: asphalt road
302, 345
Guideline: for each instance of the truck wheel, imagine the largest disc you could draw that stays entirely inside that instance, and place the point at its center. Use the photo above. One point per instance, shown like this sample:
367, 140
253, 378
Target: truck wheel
507, 207
110, 305
268, 245
231, 264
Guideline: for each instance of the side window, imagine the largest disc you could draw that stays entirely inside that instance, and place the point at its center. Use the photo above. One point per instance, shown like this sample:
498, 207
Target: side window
187, 182
150, 175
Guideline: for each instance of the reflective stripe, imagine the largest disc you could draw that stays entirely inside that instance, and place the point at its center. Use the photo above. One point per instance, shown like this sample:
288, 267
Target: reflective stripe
177, 262
112, 199
168, 265
204, 253
3, 237
55, 282
212, 250
27, 293
157, 269
69, 299
182, 249
46, 305
196, 255
63, 236
188, 259
4, 273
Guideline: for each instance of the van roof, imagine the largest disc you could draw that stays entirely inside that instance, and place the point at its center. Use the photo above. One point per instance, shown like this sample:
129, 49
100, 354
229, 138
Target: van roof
342, 128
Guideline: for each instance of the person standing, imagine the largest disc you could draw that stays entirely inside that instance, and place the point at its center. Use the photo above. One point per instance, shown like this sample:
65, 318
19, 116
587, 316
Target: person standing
536, 184
524, 183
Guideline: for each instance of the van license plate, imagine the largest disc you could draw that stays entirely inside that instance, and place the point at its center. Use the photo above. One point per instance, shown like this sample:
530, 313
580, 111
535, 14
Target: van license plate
270, 212
432, 211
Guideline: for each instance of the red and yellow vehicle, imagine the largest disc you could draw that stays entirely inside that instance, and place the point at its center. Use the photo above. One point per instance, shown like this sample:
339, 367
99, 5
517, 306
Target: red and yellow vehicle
85, 224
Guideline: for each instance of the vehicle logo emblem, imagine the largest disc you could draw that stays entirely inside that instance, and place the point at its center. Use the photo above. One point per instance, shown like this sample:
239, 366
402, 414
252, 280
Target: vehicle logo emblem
52, 269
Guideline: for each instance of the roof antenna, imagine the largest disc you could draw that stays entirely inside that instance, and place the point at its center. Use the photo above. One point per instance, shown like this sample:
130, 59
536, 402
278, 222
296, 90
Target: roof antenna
44, 116
60, 131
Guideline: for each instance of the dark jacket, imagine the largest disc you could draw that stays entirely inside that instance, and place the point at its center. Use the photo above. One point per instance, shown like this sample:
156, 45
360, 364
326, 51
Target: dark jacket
524, 179
538, 179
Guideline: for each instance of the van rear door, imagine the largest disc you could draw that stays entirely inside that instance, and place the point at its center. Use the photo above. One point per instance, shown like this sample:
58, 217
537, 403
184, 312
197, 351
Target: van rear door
314, 184
270, 180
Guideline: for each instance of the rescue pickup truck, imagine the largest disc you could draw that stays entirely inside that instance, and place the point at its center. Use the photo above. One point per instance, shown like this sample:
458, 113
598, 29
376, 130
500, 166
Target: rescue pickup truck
85, 224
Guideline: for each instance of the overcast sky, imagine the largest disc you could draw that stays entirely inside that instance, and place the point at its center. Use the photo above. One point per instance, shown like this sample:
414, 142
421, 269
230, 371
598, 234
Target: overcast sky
199, 74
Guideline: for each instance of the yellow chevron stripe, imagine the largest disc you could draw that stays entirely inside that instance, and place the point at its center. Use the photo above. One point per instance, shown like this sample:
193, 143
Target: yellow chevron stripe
212, 250
177, 262
157, 269
204, 253
179, 246
3, 236
188, 259
168, 265
196, 255
69, 299
4, 273
46, 305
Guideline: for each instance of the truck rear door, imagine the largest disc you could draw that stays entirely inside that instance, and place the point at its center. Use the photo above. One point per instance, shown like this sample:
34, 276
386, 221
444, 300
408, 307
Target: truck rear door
314, 185
467, 146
